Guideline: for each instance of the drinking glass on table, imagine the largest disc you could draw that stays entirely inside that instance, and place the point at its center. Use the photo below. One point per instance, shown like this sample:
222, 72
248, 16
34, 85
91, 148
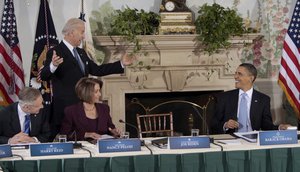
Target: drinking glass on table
194, 132
62, 138
125, 135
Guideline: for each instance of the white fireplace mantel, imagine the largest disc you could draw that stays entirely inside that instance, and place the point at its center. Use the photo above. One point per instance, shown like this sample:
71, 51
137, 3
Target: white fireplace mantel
175, 65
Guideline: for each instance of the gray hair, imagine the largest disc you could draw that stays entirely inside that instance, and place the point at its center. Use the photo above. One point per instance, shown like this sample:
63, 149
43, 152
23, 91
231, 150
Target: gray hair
71, 24
28, 95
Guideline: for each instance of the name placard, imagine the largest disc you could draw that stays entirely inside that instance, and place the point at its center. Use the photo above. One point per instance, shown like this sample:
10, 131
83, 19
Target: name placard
46, 149
189, 142
278, 137
5, 151
119, 145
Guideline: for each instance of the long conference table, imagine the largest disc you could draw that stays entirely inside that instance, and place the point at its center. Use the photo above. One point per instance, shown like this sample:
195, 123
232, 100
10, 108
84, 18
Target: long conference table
241, 157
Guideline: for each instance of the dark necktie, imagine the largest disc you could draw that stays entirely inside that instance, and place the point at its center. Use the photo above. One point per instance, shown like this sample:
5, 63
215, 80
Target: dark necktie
243, 114
27, 124
80, 63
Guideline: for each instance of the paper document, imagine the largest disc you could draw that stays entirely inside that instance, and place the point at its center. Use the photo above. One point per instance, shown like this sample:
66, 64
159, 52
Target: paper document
106, 136
161, 142
20, 145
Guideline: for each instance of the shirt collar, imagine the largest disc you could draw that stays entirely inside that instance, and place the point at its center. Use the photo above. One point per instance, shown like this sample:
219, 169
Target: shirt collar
21, 112
69, 46
249, 92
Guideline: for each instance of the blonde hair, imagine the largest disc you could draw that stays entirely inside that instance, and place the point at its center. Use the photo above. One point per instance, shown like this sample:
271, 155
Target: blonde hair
85, 88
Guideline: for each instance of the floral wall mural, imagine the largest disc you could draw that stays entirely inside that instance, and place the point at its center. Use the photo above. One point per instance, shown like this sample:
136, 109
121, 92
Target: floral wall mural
270, 17
265, 54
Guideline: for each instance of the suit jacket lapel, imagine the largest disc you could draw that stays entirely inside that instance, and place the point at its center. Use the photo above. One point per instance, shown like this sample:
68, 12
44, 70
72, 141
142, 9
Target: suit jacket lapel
33, 123
81, 115
68, 54
235, 103
83, 59
100, 117
254, 105
15, 121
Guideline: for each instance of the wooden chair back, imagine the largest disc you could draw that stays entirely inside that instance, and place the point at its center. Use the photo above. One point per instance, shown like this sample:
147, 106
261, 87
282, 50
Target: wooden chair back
155, 124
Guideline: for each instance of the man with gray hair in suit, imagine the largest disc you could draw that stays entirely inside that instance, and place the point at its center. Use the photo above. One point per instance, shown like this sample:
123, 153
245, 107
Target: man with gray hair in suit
66, 63
23, 122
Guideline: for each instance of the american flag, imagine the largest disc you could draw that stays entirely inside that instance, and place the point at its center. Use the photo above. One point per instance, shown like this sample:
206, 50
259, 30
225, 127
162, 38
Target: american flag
11, 69
289, 74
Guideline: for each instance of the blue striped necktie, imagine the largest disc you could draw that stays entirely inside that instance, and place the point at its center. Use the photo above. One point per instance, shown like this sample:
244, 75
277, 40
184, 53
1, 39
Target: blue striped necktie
27, 124
79, 61
243, 114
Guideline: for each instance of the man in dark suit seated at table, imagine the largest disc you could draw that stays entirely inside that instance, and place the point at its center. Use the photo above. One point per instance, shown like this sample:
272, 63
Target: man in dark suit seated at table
23, 121
243, 109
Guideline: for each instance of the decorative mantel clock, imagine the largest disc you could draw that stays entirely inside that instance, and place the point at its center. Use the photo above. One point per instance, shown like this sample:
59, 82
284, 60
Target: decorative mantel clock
176, 18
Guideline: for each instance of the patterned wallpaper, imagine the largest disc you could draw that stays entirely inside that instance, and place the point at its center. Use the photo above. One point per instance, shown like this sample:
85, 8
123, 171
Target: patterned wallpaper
265, 54
271, 17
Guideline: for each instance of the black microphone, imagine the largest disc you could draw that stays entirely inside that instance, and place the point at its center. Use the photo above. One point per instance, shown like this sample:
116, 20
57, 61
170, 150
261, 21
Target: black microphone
131, 125
16, 155
206, 128
76, 145
137, 130
207, 132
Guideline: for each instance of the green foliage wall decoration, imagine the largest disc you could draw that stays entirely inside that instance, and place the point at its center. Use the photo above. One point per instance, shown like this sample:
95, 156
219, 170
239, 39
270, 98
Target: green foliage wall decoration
215, 25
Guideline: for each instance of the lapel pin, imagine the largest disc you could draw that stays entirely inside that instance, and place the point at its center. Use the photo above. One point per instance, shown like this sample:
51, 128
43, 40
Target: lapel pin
255, 101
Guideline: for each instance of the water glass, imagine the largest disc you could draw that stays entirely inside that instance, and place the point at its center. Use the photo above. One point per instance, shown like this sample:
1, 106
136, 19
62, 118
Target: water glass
62, 138
194, 132
125, 135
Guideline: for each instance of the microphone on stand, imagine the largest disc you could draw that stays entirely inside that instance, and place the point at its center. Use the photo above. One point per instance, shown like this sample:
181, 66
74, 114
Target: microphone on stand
211, 139
76, 145
138, 132
133, 126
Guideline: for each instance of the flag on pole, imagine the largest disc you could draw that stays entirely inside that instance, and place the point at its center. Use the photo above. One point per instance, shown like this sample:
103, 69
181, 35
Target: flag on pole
45, 38
88, 43
11, 67
289, 74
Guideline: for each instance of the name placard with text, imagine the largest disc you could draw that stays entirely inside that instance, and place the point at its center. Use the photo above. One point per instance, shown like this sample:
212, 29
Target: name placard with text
5, 151
119, 145
46, 149
278, 137
189, 142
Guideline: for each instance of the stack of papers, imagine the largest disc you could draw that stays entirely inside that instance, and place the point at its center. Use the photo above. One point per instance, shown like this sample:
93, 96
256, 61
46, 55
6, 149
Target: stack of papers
161, 143
248, 136
20, 146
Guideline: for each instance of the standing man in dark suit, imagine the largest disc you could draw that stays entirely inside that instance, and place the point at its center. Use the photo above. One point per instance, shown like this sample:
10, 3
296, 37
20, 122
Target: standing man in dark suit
23, 122
66, 64
243, 109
